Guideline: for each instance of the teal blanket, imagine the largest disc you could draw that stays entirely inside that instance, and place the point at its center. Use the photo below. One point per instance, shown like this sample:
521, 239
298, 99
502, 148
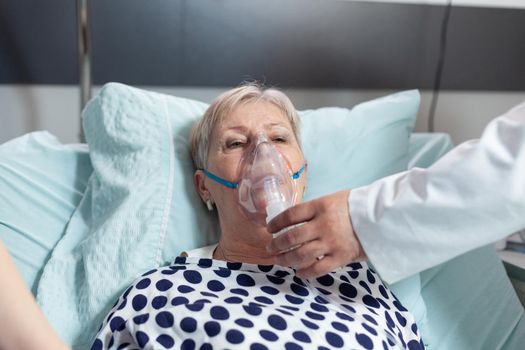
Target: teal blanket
120, 222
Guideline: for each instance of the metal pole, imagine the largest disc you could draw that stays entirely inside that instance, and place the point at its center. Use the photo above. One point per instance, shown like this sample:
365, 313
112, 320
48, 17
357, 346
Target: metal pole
84, 57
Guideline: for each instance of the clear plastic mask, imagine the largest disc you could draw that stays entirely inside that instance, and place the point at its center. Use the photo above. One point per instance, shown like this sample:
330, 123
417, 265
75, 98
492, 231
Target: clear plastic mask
266, 187
267, 184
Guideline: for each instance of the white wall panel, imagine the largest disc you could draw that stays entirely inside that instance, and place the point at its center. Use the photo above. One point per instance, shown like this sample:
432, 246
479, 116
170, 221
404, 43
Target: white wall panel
55, 108
518, 4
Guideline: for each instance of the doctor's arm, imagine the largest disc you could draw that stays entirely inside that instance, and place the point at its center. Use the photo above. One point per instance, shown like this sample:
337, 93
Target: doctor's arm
411, 221
22, 324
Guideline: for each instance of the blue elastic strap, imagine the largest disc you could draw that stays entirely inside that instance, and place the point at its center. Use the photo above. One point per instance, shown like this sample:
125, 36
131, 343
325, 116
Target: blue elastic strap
234, 185
219, 180
298, 173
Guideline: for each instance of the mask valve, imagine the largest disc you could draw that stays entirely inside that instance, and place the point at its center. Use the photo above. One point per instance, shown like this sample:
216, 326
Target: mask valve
276, 203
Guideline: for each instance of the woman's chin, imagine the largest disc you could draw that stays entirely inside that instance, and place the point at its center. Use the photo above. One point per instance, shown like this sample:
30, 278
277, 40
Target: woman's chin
252, 218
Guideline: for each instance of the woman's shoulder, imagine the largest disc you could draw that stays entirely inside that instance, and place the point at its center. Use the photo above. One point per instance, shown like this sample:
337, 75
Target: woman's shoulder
154, 278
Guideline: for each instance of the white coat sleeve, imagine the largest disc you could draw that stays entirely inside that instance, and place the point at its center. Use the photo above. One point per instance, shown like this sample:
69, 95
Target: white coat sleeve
472, 196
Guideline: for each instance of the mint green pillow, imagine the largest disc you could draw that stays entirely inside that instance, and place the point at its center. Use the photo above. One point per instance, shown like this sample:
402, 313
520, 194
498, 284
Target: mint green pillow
349, 148
345, 148
41, 183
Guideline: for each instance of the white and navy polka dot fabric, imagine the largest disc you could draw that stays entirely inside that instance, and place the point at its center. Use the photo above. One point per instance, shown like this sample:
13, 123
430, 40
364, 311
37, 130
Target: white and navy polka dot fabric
200, 303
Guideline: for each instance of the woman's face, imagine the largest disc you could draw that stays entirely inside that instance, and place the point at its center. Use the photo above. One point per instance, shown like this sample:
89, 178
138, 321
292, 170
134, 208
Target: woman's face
230, 141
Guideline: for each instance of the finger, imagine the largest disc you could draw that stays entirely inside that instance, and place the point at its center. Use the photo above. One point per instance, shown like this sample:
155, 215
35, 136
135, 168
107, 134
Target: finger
320, 268
292, 238
304, 256
295, 215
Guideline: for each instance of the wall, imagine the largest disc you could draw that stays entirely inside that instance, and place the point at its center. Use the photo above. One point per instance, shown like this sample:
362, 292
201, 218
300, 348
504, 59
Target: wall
462, 114
478, 3
483, 76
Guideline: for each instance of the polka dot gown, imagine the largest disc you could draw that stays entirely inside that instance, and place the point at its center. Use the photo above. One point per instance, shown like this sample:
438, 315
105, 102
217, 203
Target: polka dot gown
199, 303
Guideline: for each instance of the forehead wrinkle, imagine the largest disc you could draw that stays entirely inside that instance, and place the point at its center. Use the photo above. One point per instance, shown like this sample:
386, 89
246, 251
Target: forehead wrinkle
265, 126
236, 127
273, 124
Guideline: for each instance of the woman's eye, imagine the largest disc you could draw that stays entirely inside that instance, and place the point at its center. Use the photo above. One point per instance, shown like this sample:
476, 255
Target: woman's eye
280, 139
235, 144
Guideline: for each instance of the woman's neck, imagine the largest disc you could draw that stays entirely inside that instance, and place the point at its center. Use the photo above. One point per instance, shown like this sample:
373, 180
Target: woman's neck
248, 247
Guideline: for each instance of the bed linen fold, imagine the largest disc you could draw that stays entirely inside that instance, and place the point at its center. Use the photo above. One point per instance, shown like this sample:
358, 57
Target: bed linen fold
121, 220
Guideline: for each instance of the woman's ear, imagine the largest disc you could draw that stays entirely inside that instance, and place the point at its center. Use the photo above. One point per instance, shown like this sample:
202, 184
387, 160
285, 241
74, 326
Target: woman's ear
200, 187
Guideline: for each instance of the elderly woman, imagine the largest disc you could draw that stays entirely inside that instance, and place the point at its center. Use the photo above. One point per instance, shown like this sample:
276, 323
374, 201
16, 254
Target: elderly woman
236, 294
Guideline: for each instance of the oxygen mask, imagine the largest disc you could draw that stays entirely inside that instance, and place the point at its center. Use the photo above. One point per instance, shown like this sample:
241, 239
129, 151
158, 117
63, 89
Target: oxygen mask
267, 184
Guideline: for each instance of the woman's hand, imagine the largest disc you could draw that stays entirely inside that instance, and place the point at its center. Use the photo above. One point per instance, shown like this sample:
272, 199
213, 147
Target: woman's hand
318, 236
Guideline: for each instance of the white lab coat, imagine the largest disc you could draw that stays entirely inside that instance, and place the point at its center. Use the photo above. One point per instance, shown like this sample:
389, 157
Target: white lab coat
472, 196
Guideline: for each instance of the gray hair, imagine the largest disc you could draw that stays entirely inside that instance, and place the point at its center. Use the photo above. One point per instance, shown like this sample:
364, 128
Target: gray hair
199, 141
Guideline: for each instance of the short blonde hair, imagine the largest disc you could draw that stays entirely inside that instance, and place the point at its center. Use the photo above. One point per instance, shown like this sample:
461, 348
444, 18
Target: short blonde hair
199, 141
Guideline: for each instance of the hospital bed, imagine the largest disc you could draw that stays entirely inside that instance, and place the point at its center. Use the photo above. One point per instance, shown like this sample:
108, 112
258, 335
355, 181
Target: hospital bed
466, 303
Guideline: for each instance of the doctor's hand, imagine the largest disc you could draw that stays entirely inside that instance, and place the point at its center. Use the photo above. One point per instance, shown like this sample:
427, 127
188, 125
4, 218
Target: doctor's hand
323, 239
